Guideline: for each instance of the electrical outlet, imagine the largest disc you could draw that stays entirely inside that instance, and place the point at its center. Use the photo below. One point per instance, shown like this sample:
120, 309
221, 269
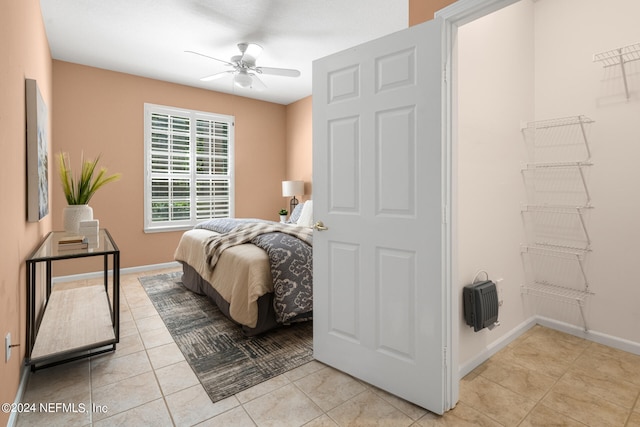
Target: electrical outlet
7, 347
500, 291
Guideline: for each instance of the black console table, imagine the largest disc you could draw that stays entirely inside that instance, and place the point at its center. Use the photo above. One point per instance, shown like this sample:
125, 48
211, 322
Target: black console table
75, 322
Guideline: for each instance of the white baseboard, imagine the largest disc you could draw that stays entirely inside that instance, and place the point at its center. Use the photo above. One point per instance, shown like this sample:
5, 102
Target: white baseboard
496, 346
128, 270
598, 337
24, 377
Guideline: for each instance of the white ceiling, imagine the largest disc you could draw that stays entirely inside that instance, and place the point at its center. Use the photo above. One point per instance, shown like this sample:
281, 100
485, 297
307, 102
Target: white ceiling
148, 37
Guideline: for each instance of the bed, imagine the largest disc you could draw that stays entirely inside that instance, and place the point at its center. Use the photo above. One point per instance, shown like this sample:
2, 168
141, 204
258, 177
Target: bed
259, 273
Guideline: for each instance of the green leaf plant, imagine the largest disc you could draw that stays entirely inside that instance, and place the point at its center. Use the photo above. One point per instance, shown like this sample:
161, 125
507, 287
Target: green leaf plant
78, 190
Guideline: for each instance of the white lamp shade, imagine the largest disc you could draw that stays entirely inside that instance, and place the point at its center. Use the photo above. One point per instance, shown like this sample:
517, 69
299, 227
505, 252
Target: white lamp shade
243, 79
292, 188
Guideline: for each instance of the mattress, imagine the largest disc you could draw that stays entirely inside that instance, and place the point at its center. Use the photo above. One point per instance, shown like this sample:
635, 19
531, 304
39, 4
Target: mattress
241, 277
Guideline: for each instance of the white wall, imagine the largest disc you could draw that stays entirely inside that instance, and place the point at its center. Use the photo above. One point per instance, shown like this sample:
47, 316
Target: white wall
495, 92
567, 35
533, 61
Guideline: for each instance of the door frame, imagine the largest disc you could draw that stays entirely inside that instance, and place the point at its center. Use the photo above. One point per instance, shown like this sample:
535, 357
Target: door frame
455, 15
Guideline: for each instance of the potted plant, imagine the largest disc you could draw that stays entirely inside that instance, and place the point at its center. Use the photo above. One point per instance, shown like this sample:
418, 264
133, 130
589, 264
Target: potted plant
283, 215
78, 190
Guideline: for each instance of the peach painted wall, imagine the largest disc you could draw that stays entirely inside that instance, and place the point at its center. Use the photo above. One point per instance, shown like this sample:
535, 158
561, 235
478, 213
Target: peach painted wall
299, 162
423, 10
25, 54
102, 112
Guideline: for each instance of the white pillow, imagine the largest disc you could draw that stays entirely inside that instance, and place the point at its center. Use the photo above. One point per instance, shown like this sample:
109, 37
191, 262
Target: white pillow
296, 213
306, 216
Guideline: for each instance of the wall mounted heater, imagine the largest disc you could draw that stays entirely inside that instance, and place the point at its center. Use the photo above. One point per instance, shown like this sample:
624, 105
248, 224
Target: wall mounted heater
481, 305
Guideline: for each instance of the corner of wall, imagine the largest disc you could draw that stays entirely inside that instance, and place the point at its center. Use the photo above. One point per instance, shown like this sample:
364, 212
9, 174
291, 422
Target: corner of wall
299, 144
24, 45
421, 11
490, 105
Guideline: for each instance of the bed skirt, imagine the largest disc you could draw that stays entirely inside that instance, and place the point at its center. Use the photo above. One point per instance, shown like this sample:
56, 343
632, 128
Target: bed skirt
266, 313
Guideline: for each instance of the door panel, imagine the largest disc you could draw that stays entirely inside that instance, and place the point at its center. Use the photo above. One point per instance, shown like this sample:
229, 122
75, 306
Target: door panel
377, 176
396, 70
345, 280
396, 316
344, 157
395, 162
343, 84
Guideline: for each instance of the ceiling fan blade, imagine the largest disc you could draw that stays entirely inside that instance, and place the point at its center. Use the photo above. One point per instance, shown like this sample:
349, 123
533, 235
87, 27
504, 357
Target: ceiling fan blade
216, 76
210, 57
286, 72
256, 83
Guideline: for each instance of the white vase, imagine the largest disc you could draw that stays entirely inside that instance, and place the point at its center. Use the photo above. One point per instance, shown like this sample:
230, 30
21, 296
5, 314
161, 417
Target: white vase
283, 218
73, 214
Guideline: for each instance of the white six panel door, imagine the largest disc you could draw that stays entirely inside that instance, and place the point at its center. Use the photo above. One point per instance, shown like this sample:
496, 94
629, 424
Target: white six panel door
377, 178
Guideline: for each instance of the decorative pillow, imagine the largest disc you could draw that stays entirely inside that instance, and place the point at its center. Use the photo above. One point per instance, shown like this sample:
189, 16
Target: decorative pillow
296, 213
306, 216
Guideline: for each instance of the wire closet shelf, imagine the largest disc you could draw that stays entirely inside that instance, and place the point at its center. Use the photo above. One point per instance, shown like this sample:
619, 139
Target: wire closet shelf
619, 57
557, 145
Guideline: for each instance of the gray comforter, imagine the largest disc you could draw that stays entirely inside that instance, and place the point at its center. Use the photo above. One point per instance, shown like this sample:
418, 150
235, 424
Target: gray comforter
289, 249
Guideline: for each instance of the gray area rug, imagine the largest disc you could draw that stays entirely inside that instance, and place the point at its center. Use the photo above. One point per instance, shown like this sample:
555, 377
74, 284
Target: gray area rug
225, 361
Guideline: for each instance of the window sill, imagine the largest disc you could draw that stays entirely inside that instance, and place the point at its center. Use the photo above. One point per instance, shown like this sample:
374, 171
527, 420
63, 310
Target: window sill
167, 229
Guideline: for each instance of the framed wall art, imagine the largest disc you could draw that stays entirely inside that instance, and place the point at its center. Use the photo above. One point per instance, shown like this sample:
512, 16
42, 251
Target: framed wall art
37, 153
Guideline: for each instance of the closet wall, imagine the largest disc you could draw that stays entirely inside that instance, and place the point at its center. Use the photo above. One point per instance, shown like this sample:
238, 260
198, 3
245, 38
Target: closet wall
567, 82
534, 61
495, 92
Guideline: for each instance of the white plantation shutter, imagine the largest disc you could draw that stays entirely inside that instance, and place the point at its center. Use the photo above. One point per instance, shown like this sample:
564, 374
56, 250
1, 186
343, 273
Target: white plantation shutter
189, 167
212, 169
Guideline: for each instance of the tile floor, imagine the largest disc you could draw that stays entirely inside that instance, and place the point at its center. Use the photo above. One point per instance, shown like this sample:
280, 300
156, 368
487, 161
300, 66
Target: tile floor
543, 378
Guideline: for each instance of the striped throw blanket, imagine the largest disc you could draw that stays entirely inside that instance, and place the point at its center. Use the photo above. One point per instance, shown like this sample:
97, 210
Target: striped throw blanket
246, 232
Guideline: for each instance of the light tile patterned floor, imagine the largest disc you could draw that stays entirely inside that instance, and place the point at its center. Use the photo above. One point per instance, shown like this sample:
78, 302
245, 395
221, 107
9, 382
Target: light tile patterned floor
543, 378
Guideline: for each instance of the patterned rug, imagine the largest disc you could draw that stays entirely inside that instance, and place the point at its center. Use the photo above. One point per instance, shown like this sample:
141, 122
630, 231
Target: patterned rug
225, 361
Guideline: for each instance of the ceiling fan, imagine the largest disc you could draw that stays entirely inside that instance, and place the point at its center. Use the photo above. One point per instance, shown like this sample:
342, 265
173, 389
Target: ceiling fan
245, 71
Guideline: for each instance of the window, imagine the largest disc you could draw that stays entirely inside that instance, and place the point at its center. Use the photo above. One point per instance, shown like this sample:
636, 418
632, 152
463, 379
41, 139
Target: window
188, 167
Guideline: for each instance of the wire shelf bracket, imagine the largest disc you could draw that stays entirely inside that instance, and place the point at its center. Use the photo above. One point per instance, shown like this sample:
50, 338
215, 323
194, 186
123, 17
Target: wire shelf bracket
577, 255
579, 166
557, 122
620, 57
561, 293
565, 210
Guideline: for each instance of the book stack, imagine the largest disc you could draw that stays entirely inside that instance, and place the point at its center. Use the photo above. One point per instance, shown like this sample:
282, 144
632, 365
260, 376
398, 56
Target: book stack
89, 229
70, 243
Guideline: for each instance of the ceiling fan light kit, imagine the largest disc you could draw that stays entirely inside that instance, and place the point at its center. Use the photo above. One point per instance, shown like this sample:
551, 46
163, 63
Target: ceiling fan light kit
243, 79
250, 50
245, 68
